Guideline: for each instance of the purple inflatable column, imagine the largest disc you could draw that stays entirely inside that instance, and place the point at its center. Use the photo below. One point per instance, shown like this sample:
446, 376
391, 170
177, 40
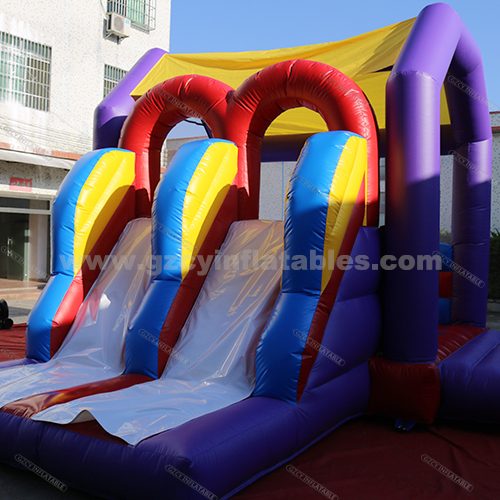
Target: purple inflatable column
115, 107
471, 197
438, 42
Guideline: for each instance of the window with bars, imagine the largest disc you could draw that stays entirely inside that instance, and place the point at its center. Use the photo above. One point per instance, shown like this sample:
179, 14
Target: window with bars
24, 72
142, 13
112, 76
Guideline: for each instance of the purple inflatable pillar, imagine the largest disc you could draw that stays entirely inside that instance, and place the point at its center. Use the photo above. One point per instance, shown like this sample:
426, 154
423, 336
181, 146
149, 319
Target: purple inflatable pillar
439, 49
115, 107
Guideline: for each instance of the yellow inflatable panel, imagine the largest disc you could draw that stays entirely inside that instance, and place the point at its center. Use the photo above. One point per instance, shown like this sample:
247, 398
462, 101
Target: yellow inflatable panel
105, 188
206, 192
344, 190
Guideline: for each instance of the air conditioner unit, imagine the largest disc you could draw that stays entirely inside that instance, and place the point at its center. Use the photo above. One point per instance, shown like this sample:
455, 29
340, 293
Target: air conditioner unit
118, 25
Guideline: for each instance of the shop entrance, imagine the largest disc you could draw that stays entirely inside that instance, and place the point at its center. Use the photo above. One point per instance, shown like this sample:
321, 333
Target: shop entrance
24, 238
14, 240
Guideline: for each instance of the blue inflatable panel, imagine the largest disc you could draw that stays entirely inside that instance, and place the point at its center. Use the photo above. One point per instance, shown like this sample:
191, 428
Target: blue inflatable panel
444, 311
279, 353
446, 251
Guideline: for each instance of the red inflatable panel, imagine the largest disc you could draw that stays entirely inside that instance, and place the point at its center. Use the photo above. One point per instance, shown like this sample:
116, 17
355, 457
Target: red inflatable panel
28, 407
408, 391
451, 337
445, 282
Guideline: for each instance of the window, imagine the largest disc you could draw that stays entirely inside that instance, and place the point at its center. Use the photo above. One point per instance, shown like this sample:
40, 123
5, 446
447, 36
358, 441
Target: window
23, 205
24, 72
112, 76
142, 13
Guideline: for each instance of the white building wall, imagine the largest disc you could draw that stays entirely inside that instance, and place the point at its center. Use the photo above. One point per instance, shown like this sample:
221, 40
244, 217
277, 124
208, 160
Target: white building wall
274, 177
45, 181
75, 30
447, 182
76, 33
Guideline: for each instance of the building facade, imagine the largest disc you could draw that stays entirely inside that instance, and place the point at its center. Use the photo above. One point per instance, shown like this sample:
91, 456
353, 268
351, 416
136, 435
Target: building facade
58, 59
447, 179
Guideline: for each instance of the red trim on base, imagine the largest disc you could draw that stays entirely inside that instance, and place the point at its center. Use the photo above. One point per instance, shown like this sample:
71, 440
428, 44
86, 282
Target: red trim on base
29, 406
413, 391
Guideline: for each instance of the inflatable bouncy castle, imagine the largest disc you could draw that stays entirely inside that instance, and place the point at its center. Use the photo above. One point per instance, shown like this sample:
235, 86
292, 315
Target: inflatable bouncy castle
183, 346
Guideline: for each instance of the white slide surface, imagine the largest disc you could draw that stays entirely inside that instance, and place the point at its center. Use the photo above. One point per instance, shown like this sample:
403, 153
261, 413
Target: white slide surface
213, 363
94, 347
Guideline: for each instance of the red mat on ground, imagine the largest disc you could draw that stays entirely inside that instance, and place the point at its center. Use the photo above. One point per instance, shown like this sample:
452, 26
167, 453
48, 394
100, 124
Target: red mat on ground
367, 459
12, 343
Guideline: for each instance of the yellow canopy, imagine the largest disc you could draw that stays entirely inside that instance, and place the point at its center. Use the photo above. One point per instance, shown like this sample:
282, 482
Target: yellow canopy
364, 58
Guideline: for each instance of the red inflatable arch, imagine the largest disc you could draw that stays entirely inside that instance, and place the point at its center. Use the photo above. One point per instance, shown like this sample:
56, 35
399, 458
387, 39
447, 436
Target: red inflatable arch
291, 84
243, 117
156, 113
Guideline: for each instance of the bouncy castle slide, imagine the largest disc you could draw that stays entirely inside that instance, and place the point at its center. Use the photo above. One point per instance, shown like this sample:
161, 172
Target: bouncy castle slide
211, 347
171, 333
239, 309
